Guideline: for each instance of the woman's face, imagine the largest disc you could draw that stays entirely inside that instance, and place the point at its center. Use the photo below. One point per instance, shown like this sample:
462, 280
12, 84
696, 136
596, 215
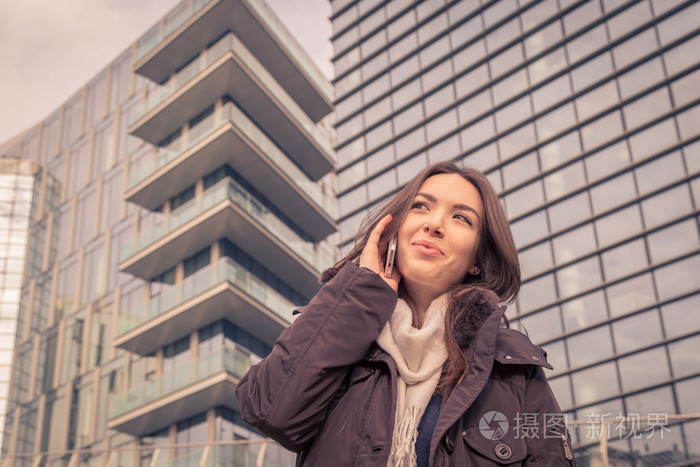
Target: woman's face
439, 238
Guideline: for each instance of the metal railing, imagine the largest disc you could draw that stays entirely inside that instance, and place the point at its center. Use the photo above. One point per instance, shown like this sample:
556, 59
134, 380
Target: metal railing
227, 189
597, 450
225, 45
163, 30
256, 452
229, 113
231, 360
225, 270
656, 440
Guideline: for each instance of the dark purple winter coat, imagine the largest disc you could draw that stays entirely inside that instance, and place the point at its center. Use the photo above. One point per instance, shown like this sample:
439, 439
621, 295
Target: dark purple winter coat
328, 392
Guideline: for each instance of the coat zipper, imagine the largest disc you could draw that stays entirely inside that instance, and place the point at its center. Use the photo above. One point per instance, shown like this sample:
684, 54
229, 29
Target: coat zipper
444, 457
567, 449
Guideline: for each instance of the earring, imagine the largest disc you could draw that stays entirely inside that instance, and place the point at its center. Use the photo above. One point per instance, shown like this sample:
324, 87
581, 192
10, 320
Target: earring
474, 271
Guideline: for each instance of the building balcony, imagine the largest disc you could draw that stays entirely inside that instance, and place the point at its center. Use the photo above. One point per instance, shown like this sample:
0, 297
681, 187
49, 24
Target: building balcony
227, 210
229, 68
186, 391
193, 25
228, 136
221, 290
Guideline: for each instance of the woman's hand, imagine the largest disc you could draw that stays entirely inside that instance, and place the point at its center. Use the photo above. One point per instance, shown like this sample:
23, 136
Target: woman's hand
372, 259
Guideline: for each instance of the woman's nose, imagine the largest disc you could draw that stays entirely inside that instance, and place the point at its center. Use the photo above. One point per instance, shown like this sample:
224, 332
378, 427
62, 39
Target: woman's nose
433, 226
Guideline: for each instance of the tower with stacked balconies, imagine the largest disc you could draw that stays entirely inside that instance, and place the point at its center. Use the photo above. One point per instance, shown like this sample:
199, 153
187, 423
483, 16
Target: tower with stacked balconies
210, 133
233, 119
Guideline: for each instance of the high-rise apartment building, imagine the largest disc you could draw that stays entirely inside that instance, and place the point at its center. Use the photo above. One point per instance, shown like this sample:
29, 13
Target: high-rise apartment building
585, 115
187, 201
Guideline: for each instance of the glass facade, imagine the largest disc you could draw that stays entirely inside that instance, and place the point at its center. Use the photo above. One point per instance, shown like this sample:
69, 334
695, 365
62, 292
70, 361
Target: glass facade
583, 115
151, 282
18, 190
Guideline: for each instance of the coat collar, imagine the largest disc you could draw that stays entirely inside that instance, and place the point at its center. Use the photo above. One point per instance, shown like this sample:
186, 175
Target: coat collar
514, 347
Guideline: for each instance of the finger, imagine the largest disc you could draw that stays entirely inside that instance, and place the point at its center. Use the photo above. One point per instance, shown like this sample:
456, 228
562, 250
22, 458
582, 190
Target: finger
379, 229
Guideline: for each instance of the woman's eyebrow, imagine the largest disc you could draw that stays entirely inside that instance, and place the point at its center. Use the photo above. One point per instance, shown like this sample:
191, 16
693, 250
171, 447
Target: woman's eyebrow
460, 206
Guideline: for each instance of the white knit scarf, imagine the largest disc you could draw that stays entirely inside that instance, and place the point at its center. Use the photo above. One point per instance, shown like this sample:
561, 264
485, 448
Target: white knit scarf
419, 355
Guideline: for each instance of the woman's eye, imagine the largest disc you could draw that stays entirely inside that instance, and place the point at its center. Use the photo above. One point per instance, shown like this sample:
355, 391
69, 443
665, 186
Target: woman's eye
463, 218
419, 205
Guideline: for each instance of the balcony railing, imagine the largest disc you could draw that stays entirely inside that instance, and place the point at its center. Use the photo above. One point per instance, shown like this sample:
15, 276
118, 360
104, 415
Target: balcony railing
265, 452
230, 113
292, 47
249, 452
226, 44
184, 76
163, 30
226, 270
228, 189
230, 360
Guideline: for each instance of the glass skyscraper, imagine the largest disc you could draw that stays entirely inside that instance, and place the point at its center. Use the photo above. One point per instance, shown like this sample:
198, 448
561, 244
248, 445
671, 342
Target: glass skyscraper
187, 193
19, 182
585, 116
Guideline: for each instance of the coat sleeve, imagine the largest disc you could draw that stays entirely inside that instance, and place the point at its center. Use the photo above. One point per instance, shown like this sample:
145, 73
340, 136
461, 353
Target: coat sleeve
550, 444
286, 395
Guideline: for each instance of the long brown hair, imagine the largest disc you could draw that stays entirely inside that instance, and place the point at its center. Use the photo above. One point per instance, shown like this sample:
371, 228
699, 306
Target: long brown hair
496, 258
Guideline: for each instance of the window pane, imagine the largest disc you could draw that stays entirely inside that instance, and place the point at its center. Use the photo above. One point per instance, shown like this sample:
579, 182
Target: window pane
535, 260
536, 293
607, 160
588, 42
524, 199
569, 211
624, 259
677, 320
652, 402
678, 278
581, 352
564, 181
530, 228
674, 241
602, 130
584, 311
579, 277
685, 358
641, 77
520, 170
666, 206
632, 294
624, 22
561, 387
679, 24
581, 16
574, 244
597, 100
635, 48
613, 193
555, 122
595, 383
647, 108
560, 150
643, 369
543, 325
637, 331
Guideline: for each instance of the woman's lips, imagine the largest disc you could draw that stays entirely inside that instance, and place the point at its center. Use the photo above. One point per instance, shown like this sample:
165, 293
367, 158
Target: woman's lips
427, 248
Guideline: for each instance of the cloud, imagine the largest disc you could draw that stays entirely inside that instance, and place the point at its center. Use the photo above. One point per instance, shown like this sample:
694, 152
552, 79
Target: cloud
51, 49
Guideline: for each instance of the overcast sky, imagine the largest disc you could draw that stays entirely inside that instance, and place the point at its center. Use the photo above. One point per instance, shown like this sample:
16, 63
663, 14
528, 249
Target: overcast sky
50, 48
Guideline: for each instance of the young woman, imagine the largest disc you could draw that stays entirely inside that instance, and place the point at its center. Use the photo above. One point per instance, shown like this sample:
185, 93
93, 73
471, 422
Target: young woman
411, 365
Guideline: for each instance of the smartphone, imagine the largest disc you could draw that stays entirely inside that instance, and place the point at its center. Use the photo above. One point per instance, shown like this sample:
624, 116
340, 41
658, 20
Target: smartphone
391, 256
